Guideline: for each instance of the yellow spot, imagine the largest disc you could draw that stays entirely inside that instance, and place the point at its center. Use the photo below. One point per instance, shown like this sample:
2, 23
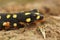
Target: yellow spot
38, 17
15, 24
4, 23
28, 20
37, 13
8, 16
14, 16
27, 13
0, 17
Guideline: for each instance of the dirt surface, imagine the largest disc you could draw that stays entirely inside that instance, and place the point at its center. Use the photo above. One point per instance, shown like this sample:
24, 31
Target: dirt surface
51, 11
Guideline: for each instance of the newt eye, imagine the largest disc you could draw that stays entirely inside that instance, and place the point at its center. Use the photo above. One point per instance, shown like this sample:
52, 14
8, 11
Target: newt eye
41, 17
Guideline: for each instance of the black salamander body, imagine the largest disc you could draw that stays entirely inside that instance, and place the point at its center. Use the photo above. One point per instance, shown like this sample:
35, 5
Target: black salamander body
8, 21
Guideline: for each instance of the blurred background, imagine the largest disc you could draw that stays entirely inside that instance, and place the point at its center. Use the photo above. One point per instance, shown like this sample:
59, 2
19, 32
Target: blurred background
49, 8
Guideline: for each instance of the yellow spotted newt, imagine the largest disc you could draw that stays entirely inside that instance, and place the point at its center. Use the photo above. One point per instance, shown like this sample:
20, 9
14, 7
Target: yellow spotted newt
15, 20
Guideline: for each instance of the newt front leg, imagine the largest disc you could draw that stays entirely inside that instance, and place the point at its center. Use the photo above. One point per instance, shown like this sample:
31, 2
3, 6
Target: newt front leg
40, 28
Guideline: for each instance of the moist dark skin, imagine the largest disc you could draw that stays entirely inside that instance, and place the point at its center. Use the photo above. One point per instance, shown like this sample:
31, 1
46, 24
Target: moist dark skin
21, 17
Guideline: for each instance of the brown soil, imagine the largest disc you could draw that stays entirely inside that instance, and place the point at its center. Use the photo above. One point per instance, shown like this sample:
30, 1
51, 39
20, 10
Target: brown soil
51, 11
